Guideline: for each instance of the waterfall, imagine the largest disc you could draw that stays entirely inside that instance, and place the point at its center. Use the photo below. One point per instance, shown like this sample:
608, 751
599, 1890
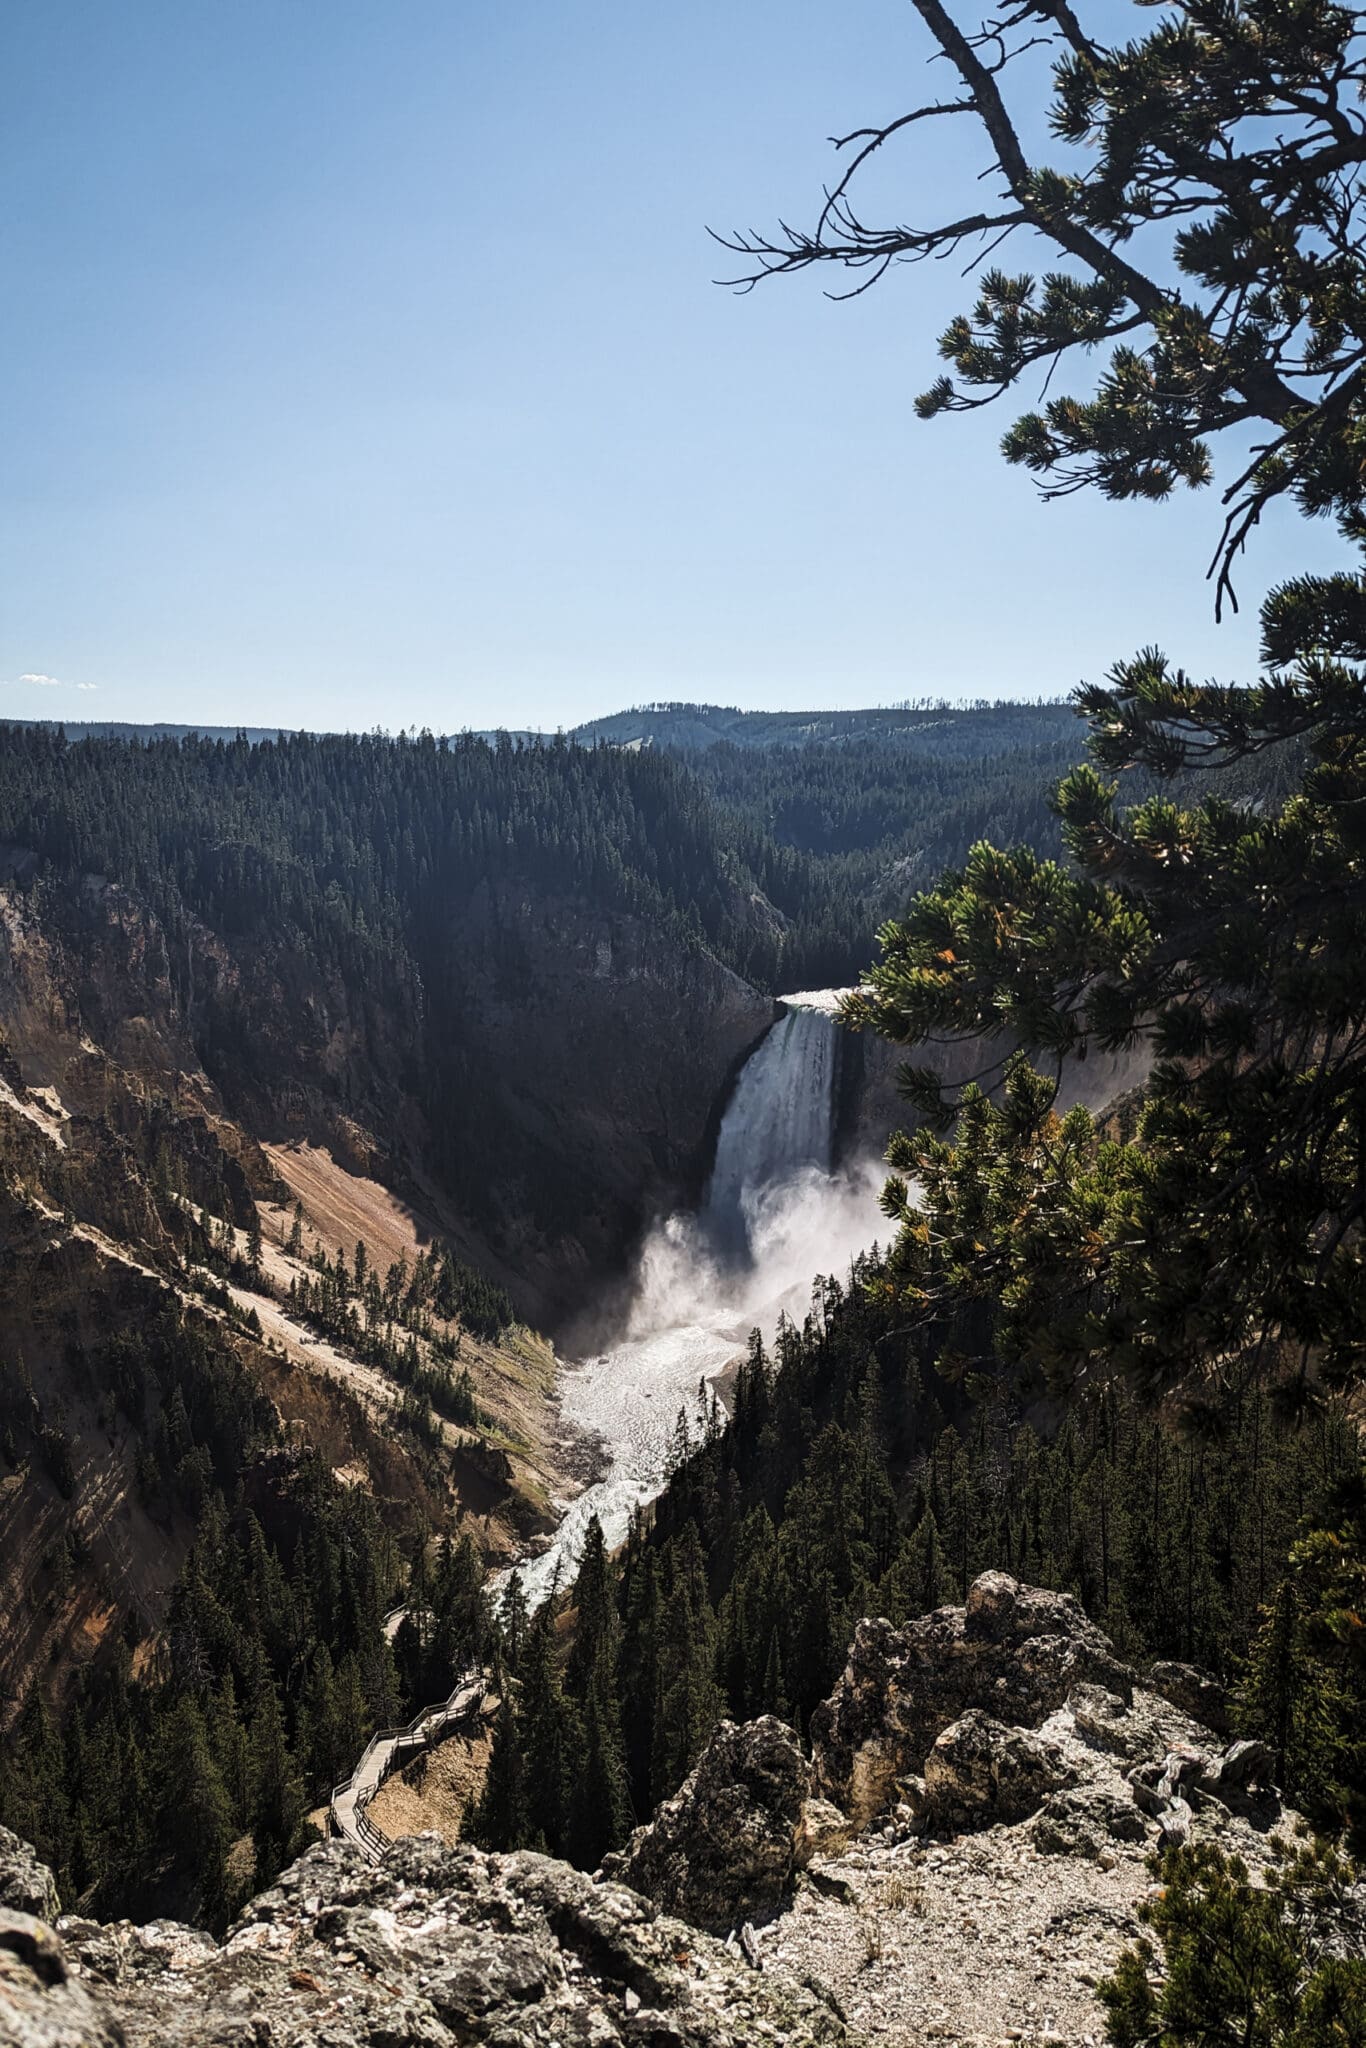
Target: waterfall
775, 1214
778, 1125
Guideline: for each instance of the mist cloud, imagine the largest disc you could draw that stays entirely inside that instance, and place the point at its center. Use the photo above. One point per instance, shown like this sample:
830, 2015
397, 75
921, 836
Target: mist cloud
688, 1316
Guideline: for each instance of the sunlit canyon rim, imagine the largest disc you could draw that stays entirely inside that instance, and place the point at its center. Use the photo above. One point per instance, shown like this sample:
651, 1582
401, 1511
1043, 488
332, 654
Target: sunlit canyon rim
776, 1212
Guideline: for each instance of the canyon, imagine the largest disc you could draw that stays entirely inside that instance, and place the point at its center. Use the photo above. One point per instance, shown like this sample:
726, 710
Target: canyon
152, 1090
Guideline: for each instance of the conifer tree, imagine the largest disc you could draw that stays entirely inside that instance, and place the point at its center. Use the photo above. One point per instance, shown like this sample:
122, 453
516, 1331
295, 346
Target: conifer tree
1304, 1685
195, 1810
1226, 145
501, 1817
1288, 1699
688, 1699
919, 1579
277, 1795
550, 1737
1243, 1964
642, 1612
32, 1783
512, 1622
773, 1699
595, 1620
232, 1753
600, 1807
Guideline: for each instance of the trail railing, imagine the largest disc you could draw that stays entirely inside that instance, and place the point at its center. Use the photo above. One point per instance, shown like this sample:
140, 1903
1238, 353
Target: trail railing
387, 1751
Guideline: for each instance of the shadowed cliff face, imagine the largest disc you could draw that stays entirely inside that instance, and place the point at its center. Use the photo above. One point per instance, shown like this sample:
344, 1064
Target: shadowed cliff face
550, 1085
871, 1105
589, 1056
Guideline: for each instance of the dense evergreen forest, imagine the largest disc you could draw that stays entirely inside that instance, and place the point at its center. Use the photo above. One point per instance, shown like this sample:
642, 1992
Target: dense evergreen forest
859, 1474
178, 1772
359, 847
359, 844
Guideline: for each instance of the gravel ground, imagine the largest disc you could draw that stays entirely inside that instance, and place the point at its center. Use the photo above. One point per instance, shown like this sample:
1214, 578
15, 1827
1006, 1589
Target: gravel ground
979, 1940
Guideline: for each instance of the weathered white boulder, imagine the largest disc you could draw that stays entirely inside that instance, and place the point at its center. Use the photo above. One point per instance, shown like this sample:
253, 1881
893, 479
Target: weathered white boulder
979, 1771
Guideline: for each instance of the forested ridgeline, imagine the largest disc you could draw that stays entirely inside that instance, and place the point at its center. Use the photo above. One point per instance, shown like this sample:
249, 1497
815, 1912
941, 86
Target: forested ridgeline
365, 844
925, 729
360, 844
857, 1477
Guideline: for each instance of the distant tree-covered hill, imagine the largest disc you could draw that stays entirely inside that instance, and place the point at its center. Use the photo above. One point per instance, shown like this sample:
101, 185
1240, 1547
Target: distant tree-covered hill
927, 728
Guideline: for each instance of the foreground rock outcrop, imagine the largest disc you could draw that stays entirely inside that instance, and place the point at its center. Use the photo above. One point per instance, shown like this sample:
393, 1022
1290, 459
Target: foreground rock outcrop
26, 1885
436, 1947
1012, 1652
1010, 1777
1015, 1706
1004, 1776
735, 1835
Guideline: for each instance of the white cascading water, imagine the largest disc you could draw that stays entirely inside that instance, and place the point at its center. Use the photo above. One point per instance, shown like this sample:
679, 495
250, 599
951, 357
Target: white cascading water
773, 1217
779, 1124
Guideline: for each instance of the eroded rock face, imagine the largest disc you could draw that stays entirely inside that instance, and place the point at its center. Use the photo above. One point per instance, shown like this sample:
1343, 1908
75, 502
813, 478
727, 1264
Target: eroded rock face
1012, 1652
26, 1885
43, 2004
437, 1948
1195, 1692
735, 1834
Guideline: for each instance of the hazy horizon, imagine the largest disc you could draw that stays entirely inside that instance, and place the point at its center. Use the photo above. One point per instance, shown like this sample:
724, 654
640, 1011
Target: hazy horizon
643, 708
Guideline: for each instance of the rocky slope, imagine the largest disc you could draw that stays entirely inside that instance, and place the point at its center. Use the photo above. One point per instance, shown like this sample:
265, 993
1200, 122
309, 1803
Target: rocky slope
1004, 1777
119, 1154
1004, 1780
593, 1056
558, 1088
437, 1947
93, 1250
153, 1089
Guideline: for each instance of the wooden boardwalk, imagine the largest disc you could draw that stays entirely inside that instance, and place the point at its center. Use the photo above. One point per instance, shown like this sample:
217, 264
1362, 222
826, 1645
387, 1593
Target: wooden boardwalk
389, 1750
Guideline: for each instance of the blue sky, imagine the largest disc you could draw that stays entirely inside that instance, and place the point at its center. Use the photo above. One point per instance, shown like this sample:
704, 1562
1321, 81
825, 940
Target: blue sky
362, 366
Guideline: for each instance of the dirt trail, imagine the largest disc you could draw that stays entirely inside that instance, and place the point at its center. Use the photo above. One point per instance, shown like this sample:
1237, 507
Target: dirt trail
349, 1808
